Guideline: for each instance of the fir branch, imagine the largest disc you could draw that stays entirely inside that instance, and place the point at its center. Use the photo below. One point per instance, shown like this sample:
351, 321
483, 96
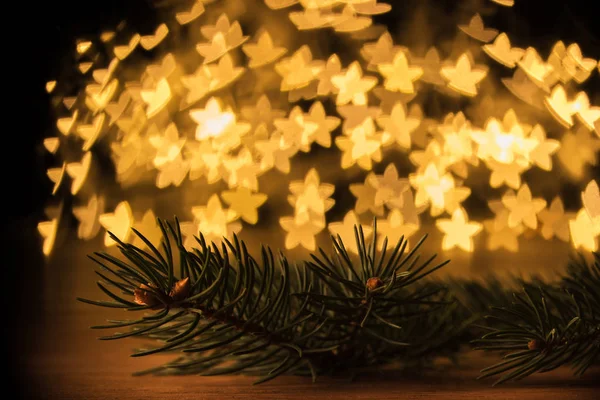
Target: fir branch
379, 305
224, 311
222, 304
227, 312
547, 326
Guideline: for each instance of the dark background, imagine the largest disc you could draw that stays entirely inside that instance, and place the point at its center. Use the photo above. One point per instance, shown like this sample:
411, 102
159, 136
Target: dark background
44, 32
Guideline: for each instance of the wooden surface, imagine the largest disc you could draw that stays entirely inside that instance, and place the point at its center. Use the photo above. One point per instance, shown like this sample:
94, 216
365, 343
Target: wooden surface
59, 357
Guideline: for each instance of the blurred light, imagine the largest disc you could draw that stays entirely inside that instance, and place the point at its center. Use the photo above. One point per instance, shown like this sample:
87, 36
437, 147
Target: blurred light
220, 103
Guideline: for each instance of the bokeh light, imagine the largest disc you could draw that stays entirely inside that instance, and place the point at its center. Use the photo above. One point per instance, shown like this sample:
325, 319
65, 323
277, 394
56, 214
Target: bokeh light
224, 100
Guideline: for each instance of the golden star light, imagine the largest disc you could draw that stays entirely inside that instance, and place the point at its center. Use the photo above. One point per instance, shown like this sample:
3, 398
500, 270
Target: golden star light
303, 118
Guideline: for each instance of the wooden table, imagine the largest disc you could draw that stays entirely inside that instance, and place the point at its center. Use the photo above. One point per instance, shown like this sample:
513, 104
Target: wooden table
58, 357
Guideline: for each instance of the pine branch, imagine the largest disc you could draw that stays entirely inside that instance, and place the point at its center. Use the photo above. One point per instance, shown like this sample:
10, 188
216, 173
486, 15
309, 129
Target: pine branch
222, 304
547, 326
376, 303
224, 311
227, 312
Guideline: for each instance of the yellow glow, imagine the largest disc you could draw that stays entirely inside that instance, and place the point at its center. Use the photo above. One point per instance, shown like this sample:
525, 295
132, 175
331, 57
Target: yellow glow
91, 133
200, 99
107, 36
310, 18
563, 68
578, 150
168, 145
222, 39
380, 52
262, 112
533, 65
523, 88
51, 144
102, 76
185, 17
477, 30
164, 70
296, 130
263, 52
118, 223
244, 203
555, 222
399, 76
397, 127
431, 65
215, 222
500, 235
274, 154
156, 98
369, 7
394, 227
325, 124
583, 232
123, 51
65, 125
84, 67
78, 171
212, 121
87, 215
352, 86
506, 142
587, 115
83, 46
98, 96
458, 232
502, 52
462, 77
310, 198
365, 196
540, 155
172, 172
389, 187
345, 230
349, 20
223, 73
362, 146
590, 198
150, 229
506, 174
561, 109
50, 85
505, 3
333, 66
574, 53
242, 170
298, 70
116, 109
48, 230
149, 42
279, 4
56, 175
431, 186
300, 234
523, 208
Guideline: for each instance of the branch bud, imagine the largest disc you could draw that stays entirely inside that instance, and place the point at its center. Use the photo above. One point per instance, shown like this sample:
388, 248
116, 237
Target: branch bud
374, 283
144, 296
181, 290
534, 344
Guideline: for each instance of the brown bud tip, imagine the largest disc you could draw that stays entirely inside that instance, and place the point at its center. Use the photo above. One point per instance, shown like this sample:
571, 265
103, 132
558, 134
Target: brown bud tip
144, 297
374, 283
534, 344
180, 290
